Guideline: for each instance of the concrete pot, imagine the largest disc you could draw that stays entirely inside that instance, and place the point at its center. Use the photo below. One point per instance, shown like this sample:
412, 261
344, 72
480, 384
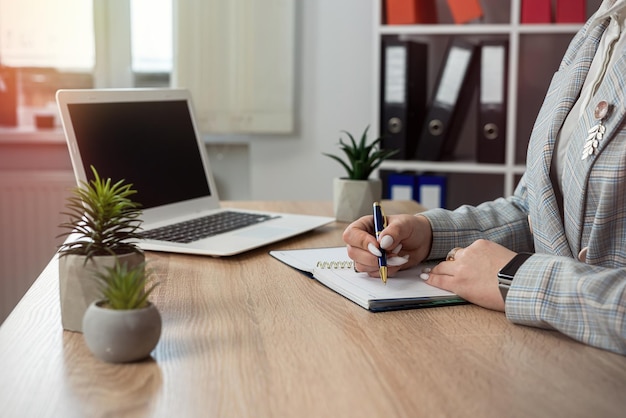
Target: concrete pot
120, 335
78, 286
354, 198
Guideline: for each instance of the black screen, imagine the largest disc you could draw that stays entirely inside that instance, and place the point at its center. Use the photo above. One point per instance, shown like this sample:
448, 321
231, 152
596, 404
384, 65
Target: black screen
149, 144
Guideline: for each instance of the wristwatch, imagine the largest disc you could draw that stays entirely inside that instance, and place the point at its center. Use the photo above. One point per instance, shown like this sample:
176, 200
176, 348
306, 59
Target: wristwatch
507, 273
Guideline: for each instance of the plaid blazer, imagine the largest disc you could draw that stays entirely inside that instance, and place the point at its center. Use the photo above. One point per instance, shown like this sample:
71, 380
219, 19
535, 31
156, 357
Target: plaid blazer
582, 295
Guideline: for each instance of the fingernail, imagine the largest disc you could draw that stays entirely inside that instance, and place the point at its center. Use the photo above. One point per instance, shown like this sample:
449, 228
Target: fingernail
386, 242
372, 249
397, 261
426, 270
397, 249
424, 276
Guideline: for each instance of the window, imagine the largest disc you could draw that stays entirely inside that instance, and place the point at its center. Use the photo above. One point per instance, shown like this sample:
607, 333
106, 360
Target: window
151, 36
48, 45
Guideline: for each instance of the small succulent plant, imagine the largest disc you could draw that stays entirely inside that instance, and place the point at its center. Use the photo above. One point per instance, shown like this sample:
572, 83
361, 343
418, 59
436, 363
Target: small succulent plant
104, 218
361, 158
125, 288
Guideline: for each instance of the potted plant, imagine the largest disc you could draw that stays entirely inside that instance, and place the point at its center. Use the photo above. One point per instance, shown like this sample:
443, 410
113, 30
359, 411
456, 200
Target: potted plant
102, 229
354, 194
124, 325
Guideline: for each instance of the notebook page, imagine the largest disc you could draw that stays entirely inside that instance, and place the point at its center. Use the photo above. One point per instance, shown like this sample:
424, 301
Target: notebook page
359, 287
362, 288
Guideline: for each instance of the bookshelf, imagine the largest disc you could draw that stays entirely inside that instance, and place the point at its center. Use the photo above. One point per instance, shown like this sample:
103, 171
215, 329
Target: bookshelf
535, 51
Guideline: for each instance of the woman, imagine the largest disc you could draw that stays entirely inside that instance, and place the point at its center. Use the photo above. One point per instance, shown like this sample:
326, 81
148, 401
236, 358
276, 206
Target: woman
561, 238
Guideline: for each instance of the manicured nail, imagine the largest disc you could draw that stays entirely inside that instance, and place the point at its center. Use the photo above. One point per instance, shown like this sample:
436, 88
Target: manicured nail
397, 261
375, 251
386, 242
424, 276
426, 270
397, 249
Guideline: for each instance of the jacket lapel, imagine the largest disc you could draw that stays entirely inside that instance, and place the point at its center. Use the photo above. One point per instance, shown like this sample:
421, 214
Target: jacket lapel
560, 99
577, 170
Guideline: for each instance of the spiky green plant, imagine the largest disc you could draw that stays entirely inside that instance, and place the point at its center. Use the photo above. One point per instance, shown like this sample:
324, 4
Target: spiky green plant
125, 288
361, 158
104, 218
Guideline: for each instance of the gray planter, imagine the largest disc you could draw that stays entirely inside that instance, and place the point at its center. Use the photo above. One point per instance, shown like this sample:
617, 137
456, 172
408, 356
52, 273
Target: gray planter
78, 286
121, 336
354, 198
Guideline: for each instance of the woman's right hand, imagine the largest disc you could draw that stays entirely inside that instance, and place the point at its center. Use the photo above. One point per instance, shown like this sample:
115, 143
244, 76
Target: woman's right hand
406, 239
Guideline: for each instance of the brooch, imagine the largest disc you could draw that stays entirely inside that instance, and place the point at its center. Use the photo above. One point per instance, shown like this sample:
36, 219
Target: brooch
595, 134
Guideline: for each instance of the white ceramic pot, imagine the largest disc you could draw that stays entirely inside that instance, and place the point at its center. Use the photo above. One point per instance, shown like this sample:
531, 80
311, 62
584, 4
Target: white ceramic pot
120, 335
78, 286
354, 198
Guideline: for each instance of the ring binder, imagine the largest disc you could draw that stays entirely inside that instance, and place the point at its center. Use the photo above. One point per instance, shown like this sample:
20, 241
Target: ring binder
570, 11
491, 127
409, 12
403, 94
464, 11
453, 91
536, 11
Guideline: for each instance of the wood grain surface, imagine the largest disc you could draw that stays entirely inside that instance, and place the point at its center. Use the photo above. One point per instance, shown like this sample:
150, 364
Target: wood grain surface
247, 336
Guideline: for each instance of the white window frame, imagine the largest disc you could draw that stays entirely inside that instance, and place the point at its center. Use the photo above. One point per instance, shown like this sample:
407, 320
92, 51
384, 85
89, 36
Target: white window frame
237, 59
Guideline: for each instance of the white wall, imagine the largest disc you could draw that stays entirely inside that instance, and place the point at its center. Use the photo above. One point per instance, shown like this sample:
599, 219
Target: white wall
334, 92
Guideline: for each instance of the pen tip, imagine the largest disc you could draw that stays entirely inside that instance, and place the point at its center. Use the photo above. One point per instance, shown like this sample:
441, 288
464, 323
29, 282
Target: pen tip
383, 274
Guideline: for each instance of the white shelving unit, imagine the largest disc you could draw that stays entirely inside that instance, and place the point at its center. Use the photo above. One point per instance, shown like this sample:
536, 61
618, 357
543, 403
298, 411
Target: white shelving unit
514, 31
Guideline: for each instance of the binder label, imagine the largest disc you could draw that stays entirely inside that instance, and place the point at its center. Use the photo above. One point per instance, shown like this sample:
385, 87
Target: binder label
492, 75
453, 76
395, 62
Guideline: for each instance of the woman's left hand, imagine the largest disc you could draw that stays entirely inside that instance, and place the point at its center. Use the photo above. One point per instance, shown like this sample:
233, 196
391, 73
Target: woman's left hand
473, 273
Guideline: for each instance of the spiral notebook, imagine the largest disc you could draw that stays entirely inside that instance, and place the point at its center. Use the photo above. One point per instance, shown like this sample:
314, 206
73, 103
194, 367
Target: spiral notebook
333, 268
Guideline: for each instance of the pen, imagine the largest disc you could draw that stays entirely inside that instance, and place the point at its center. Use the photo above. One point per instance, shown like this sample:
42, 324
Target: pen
380, 222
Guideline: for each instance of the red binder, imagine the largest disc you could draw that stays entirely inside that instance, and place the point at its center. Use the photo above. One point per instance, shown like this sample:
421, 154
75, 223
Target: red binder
8, 96
536, 11
464, 11
410, 12
570, 11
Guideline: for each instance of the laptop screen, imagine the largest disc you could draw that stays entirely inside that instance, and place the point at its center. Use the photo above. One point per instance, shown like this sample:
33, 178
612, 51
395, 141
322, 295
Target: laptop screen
147, 143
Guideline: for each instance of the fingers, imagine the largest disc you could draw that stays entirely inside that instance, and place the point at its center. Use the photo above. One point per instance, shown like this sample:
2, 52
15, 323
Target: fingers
393, 259
386, 242
440, 275
367, 261
373, 249
398, 261
364, 249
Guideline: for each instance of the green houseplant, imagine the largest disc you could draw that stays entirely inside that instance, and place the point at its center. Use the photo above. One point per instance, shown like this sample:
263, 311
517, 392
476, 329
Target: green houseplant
361, 158
102, 229
124, 325
354, 194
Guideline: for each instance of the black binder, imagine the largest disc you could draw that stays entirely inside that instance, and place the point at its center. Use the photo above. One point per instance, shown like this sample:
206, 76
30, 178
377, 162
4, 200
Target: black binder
403, 94
452, 95
491, 135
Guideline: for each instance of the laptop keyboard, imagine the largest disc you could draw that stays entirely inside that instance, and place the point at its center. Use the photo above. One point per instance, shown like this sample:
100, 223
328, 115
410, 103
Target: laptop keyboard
205, 226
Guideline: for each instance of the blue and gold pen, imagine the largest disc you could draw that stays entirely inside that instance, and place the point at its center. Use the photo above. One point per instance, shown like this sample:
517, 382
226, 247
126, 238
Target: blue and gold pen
380, 222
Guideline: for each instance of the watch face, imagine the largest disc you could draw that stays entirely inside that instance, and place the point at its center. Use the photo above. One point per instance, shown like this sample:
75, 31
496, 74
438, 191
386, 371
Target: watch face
507, 273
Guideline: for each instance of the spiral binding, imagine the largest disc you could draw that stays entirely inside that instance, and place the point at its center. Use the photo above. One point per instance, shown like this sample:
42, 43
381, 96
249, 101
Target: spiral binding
334, 264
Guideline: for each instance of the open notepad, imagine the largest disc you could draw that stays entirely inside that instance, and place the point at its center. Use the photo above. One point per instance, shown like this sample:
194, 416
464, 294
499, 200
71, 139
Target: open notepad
333, 268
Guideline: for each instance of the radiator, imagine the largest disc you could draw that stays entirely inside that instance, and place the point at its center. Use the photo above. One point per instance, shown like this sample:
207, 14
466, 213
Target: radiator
30, 206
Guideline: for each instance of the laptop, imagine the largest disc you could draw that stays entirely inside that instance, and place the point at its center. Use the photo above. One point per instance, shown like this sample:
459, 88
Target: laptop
148, 137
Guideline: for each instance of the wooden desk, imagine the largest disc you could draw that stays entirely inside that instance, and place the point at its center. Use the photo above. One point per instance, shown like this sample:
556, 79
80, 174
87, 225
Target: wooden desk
249, 337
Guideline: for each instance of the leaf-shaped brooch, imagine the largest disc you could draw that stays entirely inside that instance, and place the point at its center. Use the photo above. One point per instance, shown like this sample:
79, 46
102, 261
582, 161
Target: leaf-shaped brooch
596, 132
